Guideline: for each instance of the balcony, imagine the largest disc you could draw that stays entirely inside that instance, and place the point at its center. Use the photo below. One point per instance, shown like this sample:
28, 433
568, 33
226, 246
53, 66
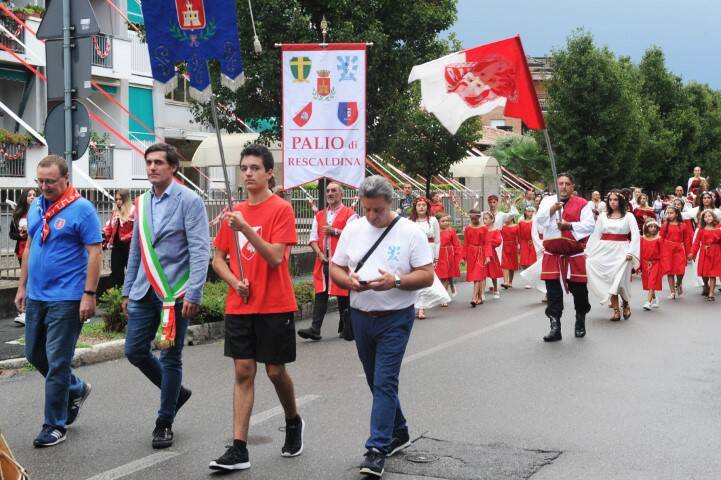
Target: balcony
12, 160
101, 162
102, 51
16, 30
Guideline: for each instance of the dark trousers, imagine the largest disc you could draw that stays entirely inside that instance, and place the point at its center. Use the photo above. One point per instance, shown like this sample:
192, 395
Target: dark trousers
118, 262
167, 371
320, 304
51, 332
554, 294
381, 343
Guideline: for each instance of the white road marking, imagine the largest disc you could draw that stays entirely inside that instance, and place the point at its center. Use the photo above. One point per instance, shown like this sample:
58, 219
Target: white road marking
135, 466
154, 459
275, 411
463, 338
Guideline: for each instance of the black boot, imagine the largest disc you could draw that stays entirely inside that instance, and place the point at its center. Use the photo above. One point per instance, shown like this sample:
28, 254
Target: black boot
580, 325
554, 334
309, 334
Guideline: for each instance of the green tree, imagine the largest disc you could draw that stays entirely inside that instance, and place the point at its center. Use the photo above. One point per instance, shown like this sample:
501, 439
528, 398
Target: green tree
423, 146
524, 156
593, 111
402, 37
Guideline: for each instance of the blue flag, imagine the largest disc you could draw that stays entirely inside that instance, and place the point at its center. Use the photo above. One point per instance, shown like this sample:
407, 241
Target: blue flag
193, 31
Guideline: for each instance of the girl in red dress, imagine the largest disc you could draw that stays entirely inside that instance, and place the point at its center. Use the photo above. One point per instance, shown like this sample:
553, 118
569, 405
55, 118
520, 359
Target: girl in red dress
651, 275
643, 212
450, 255
509, 253
493, 240
675, 249
707, 245
476, 254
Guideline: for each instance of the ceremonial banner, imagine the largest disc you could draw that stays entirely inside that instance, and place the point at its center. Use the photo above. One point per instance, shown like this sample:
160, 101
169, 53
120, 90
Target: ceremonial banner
478, 80
324, 113
193, 31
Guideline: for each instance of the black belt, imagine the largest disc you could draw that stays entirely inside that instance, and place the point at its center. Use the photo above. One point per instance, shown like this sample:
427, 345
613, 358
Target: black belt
380, 313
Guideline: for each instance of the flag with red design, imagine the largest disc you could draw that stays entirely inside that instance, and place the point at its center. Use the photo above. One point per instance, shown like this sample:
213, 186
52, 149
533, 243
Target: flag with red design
478, 80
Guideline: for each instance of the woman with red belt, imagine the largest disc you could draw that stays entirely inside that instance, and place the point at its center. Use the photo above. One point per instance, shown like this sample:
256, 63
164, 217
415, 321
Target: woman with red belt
612, 253
420, 214
676, 246
117, 234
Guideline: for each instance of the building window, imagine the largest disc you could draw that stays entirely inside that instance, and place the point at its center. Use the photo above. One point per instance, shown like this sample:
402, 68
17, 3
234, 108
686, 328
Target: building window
135, 12
498, 123
180, 93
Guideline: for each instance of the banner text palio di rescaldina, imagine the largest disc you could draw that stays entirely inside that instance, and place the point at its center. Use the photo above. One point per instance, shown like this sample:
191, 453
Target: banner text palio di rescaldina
324, 113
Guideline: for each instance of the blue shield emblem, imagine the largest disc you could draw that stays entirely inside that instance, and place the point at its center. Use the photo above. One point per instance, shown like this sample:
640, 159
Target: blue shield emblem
348, 113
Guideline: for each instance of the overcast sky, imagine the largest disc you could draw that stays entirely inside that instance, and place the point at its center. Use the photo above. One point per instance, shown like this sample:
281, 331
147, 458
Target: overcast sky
689, 32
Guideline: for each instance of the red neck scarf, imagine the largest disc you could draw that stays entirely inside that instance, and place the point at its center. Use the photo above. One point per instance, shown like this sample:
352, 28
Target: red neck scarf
68, 197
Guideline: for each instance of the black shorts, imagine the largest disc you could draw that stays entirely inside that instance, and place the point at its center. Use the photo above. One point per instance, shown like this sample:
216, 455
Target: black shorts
265, 338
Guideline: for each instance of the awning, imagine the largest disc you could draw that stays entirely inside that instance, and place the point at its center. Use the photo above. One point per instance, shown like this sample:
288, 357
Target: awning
208, 154
473, 166
8, 72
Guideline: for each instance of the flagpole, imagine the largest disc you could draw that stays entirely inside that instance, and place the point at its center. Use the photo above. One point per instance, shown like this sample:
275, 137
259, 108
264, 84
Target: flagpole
552, 156
229, 193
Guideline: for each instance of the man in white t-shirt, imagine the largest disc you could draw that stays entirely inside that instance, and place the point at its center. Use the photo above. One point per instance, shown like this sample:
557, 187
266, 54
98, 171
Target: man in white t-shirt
382, 294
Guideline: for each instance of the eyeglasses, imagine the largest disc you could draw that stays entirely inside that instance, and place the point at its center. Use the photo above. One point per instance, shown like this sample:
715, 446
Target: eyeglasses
47, 181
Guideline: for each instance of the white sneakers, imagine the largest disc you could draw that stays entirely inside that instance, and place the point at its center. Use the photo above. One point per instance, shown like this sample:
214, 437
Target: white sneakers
652, 304
20, 319
647, 306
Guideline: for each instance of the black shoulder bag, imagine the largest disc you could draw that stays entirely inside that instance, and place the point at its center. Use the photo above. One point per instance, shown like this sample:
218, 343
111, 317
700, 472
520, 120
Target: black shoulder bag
347, 326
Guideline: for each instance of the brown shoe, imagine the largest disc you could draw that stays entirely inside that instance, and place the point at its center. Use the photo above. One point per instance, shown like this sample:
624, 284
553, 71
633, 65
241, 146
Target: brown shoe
616, 315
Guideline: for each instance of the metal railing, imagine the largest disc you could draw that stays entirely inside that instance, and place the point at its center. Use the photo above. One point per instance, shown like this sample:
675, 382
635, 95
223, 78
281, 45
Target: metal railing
214, 204
18, 32
12, 160
101, 162
102, 51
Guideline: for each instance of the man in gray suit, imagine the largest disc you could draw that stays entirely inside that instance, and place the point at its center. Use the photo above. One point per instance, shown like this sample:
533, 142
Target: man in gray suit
167, 269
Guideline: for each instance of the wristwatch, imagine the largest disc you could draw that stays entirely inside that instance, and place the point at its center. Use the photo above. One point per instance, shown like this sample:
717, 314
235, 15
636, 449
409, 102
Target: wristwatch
398, 282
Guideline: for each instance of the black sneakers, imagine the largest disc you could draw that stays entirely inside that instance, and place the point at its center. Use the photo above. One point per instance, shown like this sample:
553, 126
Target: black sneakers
373, 463
163, 433
400, 440
183, 397
234, 458
293, 445
74, 404
309, 334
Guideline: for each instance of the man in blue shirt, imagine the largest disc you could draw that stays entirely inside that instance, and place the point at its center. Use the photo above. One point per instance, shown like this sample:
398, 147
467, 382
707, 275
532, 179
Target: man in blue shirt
58, 278
174, 242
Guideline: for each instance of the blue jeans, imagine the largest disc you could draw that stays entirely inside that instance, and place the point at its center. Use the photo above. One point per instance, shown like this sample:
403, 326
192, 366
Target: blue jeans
381, 343
166, 373
51, 332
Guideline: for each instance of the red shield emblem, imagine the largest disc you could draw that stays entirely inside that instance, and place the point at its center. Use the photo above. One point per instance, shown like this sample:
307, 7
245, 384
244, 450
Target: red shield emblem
303, 116
323, 83
191, 14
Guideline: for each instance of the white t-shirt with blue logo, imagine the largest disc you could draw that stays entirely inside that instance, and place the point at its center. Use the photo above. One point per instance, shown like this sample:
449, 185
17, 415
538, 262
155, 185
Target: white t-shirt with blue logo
403, 249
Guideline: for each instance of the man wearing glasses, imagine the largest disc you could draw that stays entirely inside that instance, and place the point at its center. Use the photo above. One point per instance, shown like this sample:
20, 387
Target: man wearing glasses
324, 234
58, 278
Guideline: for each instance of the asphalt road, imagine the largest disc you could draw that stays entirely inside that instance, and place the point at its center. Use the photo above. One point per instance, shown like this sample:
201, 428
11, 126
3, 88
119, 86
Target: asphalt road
636, 399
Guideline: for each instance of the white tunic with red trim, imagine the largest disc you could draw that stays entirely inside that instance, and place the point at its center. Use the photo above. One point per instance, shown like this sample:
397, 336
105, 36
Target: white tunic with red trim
579, 214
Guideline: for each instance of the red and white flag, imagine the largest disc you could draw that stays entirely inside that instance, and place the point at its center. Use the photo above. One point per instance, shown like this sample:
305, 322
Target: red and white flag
478, 80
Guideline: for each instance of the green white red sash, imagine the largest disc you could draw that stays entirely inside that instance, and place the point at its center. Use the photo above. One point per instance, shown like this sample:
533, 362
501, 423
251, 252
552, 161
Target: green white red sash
156, 275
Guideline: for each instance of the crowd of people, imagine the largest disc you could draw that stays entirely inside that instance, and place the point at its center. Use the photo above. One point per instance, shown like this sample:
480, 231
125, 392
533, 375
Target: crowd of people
387, 268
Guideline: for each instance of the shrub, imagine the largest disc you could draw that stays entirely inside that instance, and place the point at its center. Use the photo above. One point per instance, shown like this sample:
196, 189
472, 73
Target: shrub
304, 293
212, 307
113, 317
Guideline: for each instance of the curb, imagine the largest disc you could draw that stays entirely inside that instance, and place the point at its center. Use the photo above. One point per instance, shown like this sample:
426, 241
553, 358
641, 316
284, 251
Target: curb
115, 349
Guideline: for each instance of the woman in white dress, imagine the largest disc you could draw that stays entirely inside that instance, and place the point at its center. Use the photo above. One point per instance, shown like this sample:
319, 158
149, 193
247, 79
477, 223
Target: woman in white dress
432, 229
612, 252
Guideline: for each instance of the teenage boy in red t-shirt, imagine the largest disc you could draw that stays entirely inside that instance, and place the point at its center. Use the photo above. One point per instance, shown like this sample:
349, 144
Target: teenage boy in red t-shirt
259, 324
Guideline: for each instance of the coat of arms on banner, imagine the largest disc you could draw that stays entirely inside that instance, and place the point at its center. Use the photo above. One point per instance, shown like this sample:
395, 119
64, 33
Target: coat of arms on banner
193, 32
303, 116
300, 68
191, 14
348, 113
347, 67
323, 90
